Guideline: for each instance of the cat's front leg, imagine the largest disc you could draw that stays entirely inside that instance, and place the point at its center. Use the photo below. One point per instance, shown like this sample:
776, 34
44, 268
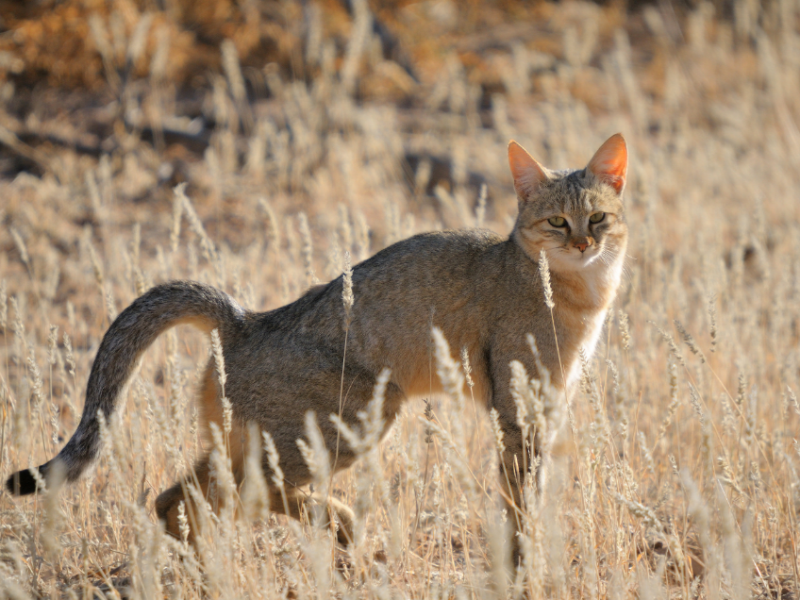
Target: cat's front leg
516, 463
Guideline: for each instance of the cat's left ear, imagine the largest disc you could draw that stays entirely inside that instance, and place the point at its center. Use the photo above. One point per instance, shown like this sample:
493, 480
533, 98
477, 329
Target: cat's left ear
528, 174
610, 163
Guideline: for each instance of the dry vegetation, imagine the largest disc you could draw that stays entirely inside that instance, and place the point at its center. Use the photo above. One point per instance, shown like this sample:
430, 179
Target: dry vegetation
681, 478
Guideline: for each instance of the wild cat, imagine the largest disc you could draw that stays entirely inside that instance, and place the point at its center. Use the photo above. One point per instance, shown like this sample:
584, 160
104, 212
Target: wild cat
484, 292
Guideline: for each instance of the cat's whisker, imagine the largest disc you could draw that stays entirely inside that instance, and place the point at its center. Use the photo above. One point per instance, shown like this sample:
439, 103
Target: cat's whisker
607, 256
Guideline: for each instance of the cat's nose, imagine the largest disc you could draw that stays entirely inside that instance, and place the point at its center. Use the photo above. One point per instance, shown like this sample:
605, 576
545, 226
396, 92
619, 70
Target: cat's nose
582, 244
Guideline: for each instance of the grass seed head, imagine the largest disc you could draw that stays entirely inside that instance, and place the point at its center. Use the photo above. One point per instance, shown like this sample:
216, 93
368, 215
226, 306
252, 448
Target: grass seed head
544, 273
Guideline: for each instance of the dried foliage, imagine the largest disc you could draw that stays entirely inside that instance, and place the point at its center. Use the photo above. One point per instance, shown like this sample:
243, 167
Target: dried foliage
302, 135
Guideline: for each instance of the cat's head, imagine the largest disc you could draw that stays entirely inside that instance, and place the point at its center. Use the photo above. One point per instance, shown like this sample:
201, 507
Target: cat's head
576, 217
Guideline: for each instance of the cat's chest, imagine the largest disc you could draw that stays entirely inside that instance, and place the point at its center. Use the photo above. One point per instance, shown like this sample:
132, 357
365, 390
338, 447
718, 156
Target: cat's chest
600, 283
584, 312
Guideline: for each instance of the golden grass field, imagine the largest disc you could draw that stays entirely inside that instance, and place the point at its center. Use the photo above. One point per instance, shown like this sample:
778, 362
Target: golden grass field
681, 477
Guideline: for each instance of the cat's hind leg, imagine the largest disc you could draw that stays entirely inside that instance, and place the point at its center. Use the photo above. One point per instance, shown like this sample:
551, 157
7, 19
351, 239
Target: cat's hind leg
168, 502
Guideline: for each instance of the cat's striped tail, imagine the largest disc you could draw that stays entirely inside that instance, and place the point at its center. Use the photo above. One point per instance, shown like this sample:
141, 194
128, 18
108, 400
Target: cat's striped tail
131, 333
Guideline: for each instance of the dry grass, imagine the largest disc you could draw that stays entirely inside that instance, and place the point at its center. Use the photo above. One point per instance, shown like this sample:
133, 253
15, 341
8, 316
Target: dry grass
681, 478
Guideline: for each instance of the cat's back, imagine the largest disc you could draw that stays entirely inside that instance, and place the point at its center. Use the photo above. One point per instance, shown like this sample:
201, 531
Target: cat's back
398, 289
438, 271
429, 254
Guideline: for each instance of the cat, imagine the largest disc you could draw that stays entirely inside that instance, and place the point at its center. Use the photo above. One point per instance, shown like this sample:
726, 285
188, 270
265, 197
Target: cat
485, 293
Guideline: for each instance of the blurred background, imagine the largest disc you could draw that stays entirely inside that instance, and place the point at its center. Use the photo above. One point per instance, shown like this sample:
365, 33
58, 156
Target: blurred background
234, 97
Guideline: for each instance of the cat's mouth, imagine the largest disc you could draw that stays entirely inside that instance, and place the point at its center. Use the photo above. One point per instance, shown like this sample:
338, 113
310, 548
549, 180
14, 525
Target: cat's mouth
565, 258
587, 257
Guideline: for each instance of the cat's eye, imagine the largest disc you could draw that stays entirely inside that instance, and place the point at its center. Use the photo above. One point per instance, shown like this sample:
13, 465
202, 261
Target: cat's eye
597, 217
557, 221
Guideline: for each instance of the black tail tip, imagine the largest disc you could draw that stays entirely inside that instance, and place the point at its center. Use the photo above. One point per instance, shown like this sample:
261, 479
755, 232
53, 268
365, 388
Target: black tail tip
22, 483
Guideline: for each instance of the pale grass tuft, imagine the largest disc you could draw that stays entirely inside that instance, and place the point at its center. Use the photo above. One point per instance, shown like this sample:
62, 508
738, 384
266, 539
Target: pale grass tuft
183, 523
3, 306
36, 381
467, 367
219, 358
316, 456
20, 343
480, 207
729, 418
177, 214
645, 514
206, 245
793, 400
544, 272
499, 551
53, 516
222, 479
646, 454
273, 227
69, 355
307, 249
273, 459
624, 330
446, 368
254, 494
741, 389
689, 340
372, 422
98, 274
712, 317
222, 377
671, 343
107, 447
365, 442
347, 289
728, 476
21, 248
674, 403
497, 431
52, 345
344, 230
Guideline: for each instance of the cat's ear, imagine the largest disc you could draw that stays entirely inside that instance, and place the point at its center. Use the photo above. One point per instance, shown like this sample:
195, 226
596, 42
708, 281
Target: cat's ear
528, 174
610, 163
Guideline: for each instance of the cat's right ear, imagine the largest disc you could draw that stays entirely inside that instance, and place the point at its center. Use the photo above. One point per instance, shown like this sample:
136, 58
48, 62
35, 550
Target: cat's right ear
610, 163
528, 174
